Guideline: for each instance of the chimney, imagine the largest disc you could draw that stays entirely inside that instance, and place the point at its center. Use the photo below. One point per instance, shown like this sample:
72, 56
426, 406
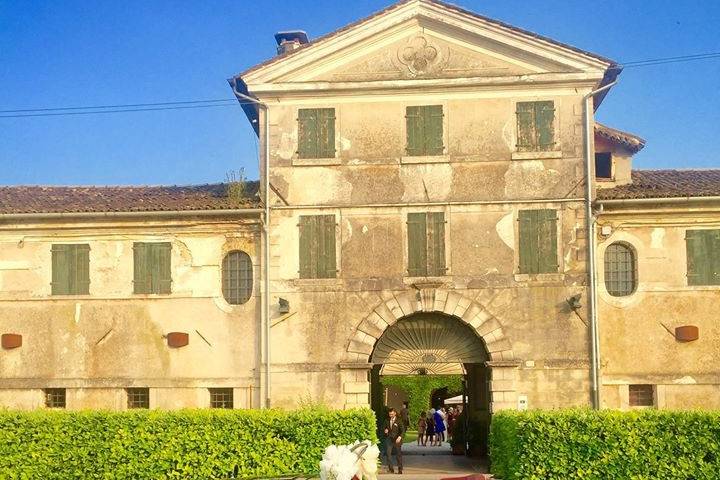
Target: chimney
290, 40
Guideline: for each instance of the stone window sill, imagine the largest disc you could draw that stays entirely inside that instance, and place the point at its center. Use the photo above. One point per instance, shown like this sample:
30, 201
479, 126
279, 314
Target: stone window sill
536, 155
539, 277
409, 160
315, 162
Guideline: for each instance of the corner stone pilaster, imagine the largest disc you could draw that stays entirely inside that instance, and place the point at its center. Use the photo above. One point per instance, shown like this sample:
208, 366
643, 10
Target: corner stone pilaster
503, 384
355, 385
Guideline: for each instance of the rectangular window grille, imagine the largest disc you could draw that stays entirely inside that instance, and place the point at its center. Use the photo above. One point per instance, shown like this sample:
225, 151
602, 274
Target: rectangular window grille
538, 241
424, 125
316, 133
317, 246
55, 397
221, 398
603, 165
426, 244
535, 126
620, 272
152, 271
138, 397
642, 395
70, 269
703, 257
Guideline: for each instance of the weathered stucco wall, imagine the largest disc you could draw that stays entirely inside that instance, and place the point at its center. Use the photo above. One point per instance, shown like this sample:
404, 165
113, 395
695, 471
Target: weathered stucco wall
637, 331
96, 345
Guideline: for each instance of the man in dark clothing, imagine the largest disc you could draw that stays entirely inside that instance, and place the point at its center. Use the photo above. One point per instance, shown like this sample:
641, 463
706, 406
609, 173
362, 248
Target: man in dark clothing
405, 415
394, 430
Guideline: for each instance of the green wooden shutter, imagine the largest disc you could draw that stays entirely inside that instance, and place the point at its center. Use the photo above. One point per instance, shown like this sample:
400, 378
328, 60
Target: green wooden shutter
701, 264
81, 280
326, 133
417, 244
544, 125
528, 241
433, 129
415, 133
60, 270
307, 246
162, 271
308, 133
326, 267
142, 282
547, 241
715, 257
525, 112
436, 243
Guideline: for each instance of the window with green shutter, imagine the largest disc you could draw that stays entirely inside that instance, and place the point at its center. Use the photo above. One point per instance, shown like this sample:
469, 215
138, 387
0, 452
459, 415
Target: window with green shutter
152, 272
317, 246
426, 244
70, 269
535, 126
703, 257
538, 241
316, 133
424, 125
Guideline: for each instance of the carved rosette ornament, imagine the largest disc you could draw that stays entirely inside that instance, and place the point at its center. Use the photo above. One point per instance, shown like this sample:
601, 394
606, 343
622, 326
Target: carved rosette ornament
421, 58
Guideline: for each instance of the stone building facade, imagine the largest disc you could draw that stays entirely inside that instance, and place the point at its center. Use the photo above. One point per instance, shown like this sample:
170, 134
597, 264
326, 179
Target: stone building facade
427, 173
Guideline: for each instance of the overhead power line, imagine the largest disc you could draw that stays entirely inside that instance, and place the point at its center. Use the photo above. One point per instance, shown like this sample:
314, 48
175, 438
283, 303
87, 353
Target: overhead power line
230, 102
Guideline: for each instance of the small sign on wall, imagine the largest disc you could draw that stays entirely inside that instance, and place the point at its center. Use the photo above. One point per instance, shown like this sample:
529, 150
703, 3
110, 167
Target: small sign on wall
522, 402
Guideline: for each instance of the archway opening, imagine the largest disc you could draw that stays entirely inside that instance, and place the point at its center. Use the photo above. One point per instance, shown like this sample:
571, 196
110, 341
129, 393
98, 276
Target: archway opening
434, 361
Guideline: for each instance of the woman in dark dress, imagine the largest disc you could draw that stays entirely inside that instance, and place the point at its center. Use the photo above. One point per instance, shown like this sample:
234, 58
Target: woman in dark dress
430, 429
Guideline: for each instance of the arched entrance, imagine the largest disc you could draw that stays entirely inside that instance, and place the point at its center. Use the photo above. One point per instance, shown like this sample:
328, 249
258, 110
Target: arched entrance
436, 357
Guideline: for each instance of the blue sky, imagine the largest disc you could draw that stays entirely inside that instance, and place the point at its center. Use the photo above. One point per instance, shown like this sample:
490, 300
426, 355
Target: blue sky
71, 53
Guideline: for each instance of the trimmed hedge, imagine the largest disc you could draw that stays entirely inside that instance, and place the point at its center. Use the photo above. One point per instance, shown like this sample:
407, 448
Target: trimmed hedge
202, 444
606, 444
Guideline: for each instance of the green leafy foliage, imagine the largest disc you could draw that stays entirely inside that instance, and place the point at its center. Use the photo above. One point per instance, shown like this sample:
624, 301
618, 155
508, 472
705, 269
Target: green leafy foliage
606, 444
205, 444
419, 388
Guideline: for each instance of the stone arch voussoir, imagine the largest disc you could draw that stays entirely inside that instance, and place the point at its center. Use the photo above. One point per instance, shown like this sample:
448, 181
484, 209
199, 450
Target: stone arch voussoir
398, 305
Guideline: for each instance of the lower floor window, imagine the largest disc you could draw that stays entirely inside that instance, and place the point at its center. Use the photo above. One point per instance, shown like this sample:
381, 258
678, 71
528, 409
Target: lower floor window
55, 397
221, 398
642, 395
138, 398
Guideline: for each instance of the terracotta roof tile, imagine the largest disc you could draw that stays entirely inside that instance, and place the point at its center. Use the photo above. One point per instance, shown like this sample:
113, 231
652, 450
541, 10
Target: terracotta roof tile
45, 199
666, 184
632, 142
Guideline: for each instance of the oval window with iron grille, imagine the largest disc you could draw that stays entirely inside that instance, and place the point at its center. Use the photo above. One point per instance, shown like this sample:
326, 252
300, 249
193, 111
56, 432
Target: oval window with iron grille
237, 277
620, 270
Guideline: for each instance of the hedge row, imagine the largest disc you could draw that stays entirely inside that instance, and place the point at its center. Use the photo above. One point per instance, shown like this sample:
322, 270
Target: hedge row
202, 444
606, 444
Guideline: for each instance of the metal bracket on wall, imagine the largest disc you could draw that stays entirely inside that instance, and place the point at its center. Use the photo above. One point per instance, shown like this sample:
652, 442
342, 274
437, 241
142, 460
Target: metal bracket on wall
282, 319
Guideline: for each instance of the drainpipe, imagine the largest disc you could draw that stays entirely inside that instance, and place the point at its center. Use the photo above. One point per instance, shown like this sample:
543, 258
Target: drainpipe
266, 237
595, 336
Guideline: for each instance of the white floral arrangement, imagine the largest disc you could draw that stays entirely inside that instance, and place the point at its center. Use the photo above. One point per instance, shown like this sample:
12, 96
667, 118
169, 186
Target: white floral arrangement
347, 462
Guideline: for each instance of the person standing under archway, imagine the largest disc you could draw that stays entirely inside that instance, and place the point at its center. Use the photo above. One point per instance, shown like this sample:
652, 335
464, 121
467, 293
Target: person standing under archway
394, 430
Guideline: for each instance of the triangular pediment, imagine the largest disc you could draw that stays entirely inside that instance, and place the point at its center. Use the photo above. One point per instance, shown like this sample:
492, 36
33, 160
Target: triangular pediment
424, 39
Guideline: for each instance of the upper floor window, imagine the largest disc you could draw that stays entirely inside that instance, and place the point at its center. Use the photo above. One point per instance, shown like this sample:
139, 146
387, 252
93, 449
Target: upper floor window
538, 241
703, 257
620, 270
70, 269
317, 246
535, 126
424, 125
237, 277
152, 272
603, 165
316, 133
426, 244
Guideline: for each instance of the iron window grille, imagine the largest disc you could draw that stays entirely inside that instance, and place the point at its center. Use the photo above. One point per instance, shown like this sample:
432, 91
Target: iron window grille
55, 397
620, 270
221, 397
642, 395
138, 397
237, 277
